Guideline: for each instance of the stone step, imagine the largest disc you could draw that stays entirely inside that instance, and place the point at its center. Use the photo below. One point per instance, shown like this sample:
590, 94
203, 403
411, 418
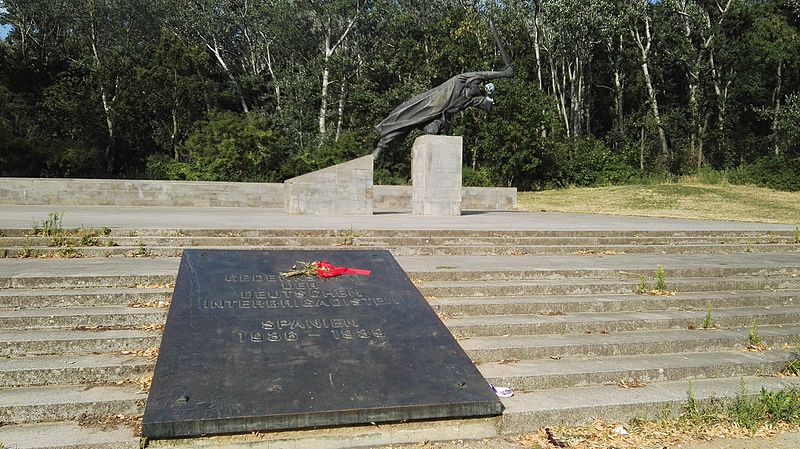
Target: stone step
632, 371
614, 322
71, 369
91, 296
600, 286
449, 274
392, 241
509, 305
581, 406
522, 347
416, 250
524, 412
67, 435
129, 272
83, 318
108, 317
87, 281
401, 233
42, 342
68, 402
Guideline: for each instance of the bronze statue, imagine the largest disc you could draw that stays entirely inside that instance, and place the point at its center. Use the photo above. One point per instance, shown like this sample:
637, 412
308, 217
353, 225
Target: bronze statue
432, 110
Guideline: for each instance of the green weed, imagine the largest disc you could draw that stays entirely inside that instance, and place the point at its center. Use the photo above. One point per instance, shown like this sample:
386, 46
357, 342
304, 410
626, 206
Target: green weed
792, 368
105, 231
754, 338
708, 322
3, 253
692, 407
26, 249
68, 252
797, 234
661, 279
49, 227
348, 235
643, 287
141, 251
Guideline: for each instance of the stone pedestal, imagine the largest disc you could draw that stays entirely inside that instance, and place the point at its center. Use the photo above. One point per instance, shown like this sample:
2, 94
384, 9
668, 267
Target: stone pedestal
343, 189
436, 175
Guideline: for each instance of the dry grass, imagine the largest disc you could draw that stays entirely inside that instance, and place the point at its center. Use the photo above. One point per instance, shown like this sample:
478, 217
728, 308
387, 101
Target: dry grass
646, 435
680, 200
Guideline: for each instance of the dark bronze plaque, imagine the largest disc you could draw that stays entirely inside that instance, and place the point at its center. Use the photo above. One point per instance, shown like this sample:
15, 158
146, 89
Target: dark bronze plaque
246, 350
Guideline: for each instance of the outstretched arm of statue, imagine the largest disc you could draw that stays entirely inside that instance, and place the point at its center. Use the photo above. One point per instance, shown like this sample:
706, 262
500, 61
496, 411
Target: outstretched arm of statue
508, 71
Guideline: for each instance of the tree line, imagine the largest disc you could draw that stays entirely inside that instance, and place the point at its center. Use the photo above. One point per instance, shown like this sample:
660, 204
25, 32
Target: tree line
605, 91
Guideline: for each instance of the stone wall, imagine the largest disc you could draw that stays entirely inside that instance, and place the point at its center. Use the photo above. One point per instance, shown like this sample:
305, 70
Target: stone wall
388, 198
120, 192
112, 192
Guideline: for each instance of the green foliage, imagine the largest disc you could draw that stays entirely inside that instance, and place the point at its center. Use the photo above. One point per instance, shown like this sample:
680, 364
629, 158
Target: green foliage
775, 172
476, 178
593, 164
661, 279
753, 337
211, 91
50, 227
643, 287
26, 249
708, 321
749, 411
797, 234
518, 143
224, 147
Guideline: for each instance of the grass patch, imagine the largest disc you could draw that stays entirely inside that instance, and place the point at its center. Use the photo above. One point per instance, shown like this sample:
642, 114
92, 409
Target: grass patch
672, 200
744, 416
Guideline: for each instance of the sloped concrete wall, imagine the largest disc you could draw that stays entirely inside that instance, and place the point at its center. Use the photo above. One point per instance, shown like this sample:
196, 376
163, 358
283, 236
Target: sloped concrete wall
343, 189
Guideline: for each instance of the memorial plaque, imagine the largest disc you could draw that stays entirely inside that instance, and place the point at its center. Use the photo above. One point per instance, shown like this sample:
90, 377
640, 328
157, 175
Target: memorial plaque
245, 349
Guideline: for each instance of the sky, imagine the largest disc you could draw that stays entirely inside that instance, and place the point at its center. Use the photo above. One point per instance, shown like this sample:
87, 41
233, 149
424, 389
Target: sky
4, 29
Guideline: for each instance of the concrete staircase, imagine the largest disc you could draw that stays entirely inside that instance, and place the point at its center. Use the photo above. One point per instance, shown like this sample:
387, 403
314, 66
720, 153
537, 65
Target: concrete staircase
555, 315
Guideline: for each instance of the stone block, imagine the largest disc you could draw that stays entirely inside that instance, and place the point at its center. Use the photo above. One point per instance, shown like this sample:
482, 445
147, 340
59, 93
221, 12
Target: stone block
436, 175
343, 189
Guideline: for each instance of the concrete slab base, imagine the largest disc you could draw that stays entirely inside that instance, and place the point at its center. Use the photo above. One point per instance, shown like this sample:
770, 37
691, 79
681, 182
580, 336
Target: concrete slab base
436, 175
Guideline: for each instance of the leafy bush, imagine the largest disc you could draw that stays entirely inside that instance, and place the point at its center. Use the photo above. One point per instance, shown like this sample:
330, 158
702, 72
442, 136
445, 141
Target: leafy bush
225, 147
594, 164
476, 178
775, 172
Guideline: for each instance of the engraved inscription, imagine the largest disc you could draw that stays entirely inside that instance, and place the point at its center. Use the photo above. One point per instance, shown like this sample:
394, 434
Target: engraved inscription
274, 292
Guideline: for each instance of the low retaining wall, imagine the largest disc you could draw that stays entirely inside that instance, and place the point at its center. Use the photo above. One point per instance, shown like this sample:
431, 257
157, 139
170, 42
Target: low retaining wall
472, 198
121, 192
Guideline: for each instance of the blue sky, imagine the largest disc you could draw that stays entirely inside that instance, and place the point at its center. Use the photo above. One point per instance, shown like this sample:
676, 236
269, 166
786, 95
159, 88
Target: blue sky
4, 29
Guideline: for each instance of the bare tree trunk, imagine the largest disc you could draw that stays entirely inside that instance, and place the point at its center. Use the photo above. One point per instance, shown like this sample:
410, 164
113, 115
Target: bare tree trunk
641, 149
722, 101
323, 105
644, 48
174, 135
275, 83
776, 100
107, 104
218, 54
536, 50
340, 119
328, 52
558, 92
